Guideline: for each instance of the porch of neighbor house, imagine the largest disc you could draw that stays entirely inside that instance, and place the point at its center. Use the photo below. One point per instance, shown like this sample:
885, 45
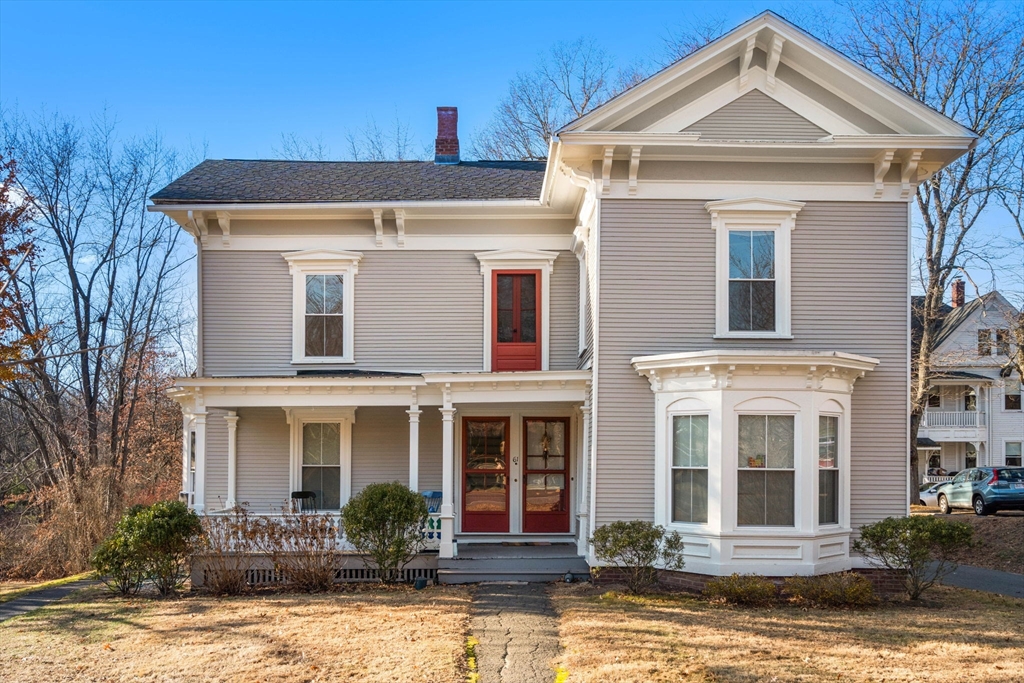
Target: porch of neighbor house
499, 457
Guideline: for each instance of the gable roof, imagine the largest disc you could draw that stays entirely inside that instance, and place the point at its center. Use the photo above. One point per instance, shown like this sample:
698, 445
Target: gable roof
764, 46
247, 181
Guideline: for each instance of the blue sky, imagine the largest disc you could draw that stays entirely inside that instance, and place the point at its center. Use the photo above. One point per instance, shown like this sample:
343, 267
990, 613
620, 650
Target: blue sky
235, 76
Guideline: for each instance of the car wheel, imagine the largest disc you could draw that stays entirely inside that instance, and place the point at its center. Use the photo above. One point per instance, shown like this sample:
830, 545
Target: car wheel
944, 506
980, 508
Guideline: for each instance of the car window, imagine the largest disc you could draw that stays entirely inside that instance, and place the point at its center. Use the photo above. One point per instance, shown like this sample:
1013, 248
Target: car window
958, 479
979, 475
1011, 475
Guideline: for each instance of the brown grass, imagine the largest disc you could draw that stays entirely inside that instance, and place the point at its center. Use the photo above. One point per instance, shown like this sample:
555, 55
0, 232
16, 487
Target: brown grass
372, 634
957, 636
999, 538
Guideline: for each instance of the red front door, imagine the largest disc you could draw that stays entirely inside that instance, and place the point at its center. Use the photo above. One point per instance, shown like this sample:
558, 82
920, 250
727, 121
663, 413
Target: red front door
485, 474
515, 330
546, 475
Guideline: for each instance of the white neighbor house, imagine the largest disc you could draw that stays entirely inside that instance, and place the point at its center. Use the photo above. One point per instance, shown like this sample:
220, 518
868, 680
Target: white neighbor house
973, 417
694, 312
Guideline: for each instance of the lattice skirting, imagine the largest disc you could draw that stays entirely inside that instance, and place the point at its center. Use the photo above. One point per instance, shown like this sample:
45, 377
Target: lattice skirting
260, 571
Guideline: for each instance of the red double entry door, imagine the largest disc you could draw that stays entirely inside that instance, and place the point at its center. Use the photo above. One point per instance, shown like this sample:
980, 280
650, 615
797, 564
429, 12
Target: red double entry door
491, 475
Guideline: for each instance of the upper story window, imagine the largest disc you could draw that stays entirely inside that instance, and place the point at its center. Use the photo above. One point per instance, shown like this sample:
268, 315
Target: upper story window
1011, 395
323, 299
1012, 451
934, 399
984, 342
753, 266
1003, 342
517, 285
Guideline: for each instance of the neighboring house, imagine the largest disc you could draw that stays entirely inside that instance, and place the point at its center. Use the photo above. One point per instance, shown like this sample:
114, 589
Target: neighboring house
694, 312
973, 417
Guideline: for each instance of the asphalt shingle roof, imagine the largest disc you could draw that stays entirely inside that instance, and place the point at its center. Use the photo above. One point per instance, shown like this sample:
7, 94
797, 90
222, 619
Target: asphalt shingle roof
238, 181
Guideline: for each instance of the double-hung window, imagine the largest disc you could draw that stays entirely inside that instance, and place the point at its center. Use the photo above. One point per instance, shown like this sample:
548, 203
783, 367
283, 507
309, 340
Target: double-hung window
828, 469
753, 266
323, 302
1012, 451
321, 463
690, 468
1011, 395
766, 484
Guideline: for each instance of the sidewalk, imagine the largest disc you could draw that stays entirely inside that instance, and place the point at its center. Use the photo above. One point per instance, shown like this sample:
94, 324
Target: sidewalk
33, 601
518, 632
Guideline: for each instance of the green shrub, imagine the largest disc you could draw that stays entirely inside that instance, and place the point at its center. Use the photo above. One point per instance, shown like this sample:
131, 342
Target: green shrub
152, 543
921, 548
635, 548
844, 589
119, 563
746, 589
385, 522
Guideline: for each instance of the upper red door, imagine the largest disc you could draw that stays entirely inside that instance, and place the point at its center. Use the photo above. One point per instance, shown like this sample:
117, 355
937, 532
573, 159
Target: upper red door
515, 331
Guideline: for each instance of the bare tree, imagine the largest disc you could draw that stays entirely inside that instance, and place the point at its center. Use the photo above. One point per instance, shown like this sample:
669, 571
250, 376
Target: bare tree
296, 148
370, 143
571, 79
104, 285
688, 38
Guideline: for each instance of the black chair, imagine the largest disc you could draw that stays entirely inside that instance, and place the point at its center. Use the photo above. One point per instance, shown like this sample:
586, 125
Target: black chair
303, 501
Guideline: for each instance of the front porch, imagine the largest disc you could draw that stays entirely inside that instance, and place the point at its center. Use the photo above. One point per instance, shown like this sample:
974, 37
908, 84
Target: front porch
503, 450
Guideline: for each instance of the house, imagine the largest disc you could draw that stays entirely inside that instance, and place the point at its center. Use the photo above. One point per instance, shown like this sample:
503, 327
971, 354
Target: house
973, 417
695, 312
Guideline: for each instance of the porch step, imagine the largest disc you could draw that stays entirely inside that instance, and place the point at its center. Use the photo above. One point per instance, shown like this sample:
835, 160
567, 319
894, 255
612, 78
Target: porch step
486, 562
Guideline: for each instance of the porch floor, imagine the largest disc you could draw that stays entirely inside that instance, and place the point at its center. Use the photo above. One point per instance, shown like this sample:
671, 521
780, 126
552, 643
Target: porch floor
512, 562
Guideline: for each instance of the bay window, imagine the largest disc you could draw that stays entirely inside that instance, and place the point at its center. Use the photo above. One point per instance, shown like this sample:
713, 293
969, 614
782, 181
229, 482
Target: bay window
765, 484
828, 469
690, 468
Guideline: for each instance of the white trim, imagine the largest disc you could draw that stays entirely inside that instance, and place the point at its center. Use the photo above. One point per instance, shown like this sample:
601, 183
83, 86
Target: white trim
414, 413
754, 213
322, 262
296, 418
518, 259
413, 242
199, 492
232, 419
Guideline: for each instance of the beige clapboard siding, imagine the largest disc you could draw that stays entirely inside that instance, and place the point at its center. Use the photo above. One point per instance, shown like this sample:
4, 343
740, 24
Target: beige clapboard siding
430, 449
415, 311
756, 116
657, 295
216, 459
380, 447
263, 459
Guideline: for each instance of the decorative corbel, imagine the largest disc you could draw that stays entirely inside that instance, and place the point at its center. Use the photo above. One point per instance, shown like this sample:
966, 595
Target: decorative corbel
774, 54
378, 225
400, 224
908, 174
748, 55
606, 170
224, 220
576, 177
882, 163
198, 221
634, 166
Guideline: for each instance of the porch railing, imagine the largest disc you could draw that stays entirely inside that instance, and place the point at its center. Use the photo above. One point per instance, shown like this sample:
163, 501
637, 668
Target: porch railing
953, 418
936, 479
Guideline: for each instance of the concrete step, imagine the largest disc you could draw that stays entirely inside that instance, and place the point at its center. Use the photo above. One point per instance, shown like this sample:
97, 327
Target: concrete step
452, 576
550, 565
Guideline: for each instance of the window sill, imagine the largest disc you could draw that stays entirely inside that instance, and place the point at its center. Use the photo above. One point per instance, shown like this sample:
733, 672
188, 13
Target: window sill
752, 335
323, 361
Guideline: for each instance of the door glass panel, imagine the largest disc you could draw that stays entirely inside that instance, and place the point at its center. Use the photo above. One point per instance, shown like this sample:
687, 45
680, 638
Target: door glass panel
485, 445
485, 492
527, 308
536, 463
544, 492
545, 445
506, 304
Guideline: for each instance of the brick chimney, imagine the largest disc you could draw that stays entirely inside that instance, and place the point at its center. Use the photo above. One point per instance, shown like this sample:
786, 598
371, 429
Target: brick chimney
958, 290
446, 146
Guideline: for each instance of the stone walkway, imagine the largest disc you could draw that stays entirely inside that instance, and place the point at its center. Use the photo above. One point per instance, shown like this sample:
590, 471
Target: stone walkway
518, 632
33, 601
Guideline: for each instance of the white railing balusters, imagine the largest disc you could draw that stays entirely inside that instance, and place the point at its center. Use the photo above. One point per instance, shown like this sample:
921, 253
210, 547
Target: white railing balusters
953, 418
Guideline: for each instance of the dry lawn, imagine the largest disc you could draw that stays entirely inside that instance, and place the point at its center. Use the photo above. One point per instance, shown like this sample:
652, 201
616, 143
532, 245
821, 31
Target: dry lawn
957, 636
366, 635
999, 540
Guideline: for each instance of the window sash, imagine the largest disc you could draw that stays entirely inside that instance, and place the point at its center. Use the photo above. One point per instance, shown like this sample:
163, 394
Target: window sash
1011, 395
324, 319
1012, 451
766, 477
321, 463
984, 342
689, 469
752, 281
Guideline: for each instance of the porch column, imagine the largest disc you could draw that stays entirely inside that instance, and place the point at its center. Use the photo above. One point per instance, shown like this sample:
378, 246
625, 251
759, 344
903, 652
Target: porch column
583, 527
186, 419
414, 446
447, 481
232, 419
199, 504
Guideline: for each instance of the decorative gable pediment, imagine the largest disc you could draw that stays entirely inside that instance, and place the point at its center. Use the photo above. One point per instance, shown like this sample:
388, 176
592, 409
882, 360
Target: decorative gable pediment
756, 116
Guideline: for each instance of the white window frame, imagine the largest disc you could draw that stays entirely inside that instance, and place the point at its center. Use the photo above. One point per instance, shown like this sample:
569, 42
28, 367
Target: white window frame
798, 477
322, 262
838, 468
296, 418
1006, 392
517, 259
670, 463
763, 215
1007, 442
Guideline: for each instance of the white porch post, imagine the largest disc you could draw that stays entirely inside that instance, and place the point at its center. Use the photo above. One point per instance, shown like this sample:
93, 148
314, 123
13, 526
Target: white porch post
186, 419
414, 446
447, 549
199, 504
232, 419
583, 527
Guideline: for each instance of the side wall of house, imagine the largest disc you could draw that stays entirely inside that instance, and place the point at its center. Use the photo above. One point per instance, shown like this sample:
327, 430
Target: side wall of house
415, 311
657, 295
